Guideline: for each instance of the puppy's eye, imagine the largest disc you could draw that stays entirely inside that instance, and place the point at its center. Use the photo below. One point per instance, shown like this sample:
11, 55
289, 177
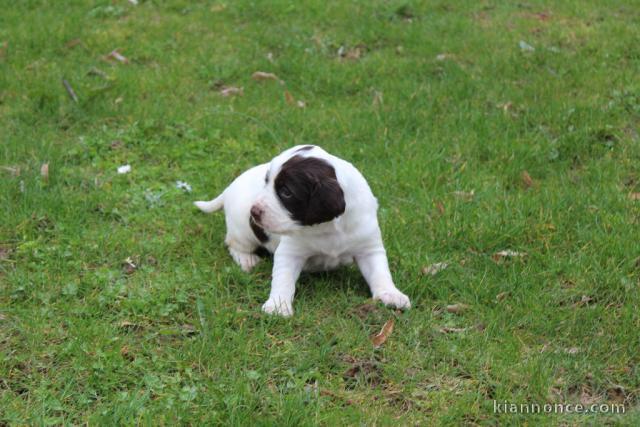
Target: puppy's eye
285, 193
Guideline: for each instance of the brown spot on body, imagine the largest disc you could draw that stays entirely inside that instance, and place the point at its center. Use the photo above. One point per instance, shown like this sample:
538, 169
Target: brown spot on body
258, 231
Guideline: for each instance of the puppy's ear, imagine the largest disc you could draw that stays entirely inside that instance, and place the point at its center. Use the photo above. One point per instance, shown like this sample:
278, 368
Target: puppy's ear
326, 201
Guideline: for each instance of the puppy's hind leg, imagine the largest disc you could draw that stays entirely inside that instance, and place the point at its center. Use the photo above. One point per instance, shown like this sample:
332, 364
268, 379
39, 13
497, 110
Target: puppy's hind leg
246, 260
242, 252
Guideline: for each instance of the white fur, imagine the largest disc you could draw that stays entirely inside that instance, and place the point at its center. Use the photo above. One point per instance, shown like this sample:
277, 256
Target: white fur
352, 236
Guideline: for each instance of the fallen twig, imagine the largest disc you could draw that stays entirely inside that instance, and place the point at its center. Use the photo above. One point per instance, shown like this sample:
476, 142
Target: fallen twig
70, 91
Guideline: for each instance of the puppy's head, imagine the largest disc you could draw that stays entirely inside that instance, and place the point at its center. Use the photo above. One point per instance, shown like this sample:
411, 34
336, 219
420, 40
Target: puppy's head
304, 191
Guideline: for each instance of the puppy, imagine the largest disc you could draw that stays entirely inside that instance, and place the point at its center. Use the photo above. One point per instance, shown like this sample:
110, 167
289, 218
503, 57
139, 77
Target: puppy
313, 211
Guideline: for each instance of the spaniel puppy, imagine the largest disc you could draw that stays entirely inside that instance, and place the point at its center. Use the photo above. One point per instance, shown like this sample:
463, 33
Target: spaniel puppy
313, 211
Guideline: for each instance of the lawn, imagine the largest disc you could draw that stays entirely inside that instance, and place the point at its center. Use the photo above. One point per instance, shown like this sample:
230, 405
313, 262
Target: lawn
501, 138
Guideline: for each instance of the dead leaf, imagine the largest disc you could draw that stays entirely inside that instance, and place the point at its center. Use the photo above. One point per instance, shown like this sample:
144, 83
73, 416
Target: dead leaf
384, 333
465, 195
440, 207
289, 98
115, 144
354, 53
228, 91
126, 353
72, 43
128, 266
449, 330
634, 196
501, 296
44, 171
114, 54
261, 75
3, 49
526, 179
434, 269
457, 308
508, 253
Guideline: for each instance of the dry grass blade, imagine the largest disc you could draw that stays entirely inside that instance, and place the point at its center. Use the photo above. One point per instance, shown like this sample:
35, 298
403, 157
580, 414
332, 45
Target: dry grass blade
507, 253
465, 195
450, 330
228, 91
13, 170
125, 324
69, 90
378, 99
384, 333
457, 308
44, 171
501, 296
114, 54
434, 269
261, 76
95, 71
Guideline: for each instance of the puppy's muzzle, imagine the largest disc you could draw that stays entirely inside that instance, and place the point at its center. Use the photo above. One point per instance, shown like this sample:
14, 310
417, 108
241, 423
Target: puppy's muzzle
256, 213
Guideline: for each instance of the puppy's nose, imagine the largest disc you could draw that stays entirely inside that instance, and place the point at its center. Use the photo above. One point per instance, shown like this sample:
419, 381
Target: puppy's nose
256, 213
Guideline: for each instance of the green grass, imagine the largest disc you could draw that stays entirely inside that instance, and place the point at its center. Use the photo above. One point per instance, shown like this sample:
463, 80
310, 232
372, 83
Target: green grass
182, 340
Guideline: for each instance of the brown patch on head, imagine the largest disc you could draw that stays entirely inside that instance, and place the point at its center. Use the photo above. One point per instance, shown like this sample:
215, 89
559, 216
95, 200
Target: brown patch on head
308, 188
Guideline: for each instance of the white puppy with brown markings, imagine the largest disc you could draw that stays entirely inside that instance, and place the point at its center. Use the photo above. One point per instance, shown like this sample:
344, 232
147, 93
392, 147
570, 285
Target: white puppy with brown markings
313, 211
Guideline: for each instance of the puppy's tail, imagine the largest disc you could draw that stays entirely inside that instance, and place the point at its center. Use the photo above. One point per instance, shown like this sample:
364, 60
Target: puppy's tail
211, 206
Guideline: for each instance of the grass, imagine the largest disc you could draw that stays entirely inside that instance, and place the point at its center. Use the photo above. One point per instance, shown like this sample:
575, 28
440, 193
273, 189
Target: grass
181, 339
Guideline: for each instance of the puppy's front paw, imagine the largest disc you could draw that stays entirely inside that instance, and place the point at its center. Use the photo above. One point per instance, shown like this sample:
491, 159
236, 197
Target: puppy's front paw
278, 306
394, 298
